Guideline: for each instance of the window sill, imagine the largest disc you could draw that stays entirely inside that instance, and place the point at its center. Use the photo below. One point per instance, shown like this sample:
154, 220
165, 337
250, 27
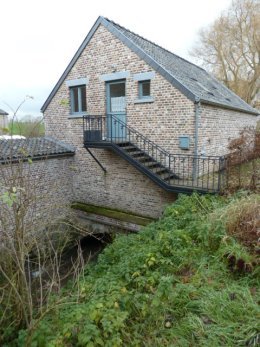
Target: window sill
75, 116
144, 101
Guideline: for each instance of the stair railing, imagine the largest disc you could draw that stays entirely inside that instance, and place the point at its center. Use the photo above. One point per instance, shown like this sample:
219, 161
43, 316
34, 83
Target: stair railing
124, 132
205, 172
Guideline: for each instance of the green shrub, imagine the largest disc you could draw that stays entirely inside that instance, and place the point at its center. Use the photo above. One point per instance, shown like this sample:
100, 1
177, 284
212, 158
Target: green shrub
169, 285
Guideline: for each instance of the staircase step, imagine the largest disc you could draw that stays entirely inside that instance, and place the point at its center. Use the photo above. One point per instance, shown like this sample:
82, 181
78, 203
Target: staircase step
152, 164
137, 153
129, 148
144, 158
159, 171
171, 176
123, 144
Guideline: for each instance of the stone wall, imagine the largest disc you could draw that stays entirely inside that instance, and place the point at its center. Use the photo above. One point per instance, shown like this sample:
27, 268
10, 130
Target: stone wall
169, 116
123, 186
45, 187
219, 126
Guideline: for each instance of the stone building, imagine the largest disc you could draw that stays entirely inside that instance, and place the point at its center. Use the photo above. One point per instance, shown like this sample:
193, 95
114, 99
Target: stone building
38, 172
3, 121
154, 123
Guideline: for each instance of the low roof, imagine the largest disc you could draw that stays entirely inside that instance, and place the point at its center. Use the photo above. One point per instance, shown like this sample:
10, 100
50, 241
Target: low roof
3, 113
190, 79
35, 148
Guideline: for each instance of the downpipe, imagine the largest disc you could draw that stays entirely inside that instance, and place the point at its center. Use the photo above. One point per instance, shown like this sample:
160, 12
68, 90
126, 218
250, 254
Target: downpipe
196, 138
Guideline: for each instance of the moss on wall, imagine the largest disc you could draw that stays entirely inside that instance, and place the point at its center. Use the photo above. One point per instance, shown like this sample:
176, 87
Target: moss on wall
112, 213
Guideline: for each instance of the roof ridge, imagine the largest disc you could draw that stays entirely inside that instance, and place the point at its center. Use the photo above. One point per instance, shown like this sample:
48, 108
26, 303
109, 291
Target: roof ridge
155, 44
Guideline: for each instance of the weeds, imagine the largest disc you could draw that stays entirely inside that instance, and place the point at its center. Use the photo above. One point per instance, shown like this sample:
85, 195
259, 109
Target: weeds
31, 244
243, 162
167, 285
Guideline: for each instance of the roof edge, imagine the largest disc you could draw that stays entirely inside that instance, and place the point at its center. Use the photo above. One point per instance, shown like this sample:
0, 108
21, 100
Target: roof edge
253, 110
218, 104
36, 158
69, 147
155, 44
72, 62
13, 157
3, 113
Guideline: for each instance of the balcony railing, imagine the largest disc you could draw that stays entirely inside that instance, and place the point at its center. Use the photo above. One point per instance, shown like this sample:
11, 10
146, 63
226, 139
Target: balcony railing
205, 173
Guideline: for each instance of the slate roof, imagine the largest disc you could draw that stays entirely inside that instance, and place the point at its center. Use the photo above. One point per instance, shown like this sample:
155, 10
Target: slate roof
3, 113
35, 148
190, 79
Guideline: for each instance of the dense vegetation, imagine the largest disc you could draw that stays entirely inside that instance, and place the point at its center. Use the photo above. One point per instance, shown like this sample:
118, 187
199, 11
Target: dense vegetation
189, 279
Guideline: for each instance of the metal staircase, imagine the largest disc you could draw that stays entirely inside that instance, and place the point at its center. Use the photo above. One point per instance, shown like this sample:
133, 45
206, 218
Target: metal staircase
172, 172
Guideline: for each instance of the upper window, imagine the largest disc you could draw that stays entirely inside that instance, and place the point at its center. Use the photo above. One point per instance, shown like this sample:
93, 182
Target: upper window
78, 99
144, 89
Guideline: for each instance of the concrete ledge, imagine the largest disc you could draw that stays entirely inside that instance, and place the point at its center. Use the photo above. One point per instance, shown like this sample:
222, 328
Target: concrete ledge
117, 215
144, 100
77, 82
114, 76
142, 76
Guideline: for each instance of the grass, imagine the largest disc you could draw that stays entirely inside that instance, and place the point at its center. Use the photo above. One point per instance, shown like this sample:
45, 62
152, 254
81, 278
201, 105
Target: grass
30, 128
241, 175
236, 177
176, 283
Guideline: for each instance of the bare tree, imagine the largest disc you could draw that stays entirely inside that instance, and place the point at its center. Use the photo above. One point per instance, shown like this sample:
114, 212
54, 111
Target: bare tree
230, 49
32, 243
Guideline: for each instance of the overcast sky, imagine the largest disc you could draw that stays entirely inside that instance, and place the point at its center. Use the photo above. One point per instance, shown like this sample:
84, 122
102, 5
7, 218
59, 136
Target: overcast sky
39, 38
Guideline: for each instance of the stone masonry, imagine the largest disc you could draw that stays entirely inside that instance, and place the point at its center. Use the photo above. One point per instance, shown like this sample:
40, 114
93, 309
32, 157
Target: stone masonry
218, 126
46, 183
170, 115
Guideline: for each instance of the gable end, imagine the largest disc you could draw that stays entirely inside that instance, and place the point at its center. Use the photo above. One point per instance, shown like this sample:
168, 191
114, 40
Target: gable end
185, 84
149, 60
71, 64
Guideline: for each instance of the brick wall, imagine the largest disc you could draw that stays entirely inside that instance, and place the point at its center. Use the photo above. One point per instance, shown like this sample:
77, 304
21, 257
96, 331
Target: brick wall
219, 126
163, 121
123, 186
47, 184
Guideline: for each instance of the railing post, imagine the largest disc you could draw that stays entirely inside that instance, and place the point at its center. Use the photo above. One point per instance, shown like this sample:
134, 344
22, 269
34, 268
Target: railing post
221, 173
101, 127
194, 169
111, 128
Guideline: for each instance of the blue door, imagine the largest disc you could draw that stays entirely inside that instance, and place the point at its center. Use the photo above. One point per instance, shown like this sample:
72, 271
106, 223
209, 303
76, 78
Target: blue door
116, 110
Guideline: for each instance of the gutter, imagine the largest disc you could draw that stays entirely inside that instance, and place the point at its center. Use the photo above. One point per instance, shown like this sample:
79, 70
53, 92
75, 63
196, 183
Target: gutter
230, 107
8, 161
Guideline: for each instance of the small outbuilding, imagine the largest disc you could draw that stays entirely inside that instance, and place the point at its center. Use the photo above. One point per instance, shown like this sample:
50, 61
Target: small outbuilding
3, 120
